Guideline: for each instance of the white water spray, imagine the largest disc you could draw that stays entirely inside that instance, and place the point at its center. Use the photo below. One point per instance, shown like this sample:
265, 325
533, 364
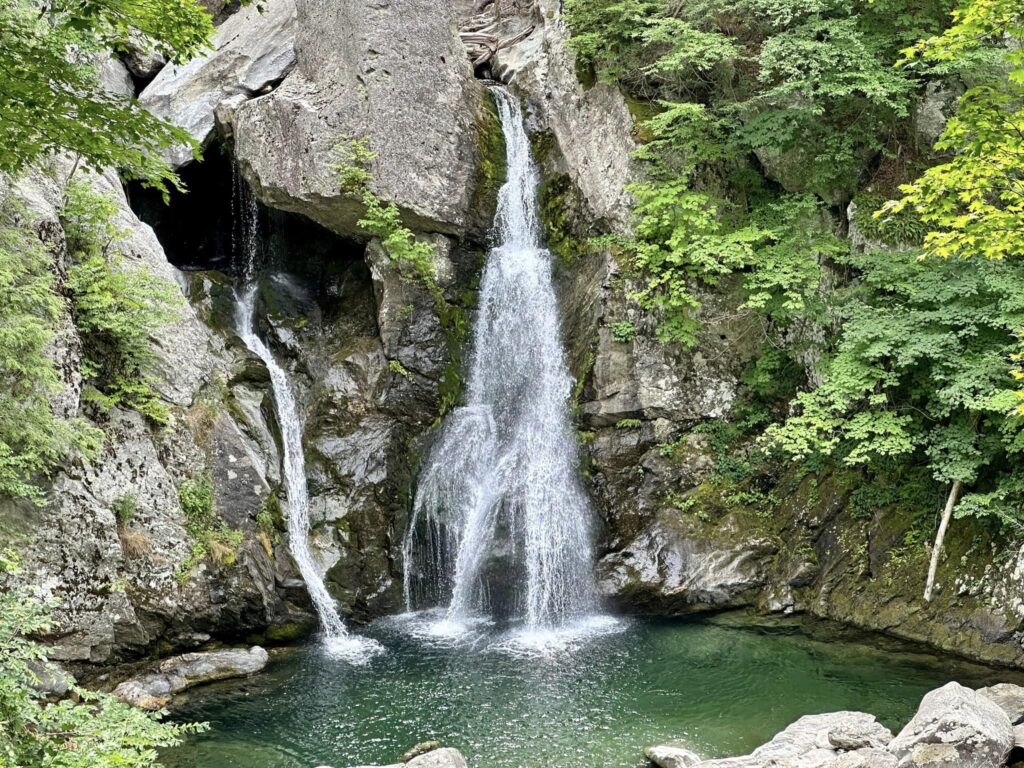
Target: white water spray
336, 637
501, 524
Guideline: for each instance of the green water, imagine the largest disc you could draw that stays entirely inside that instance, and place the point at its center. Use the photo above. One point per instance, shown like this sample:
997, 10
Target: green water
721, 687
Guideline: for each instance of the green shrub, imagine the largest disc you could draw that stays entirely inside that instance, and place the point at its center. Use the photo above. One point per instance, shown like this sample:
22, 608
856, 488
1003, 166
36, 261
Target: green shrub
212, 538
33, 441
623, 331
116, 308
124, 509
92, 730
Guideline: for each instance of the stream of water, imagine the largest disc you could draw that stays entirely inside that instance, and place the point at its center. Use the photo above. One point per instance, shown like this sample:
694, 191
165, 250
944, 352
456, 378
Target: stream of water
336, 638
501, 524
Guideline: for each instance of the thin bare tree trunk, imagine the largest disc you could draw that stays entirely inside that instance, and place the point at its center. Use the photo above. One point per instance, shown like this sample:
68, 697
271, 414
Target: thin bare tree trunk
947, 514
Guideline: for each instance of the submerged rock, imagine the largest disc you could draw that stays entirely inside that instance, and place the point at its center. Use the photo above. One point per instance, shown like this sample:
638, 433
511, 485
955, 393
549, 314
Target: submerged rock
154, 690
955, 726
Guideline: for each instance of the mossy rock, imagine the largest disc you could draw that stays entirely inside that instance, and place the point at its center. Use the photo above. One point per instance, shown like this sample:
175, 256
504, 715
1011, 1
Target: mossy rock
290, 632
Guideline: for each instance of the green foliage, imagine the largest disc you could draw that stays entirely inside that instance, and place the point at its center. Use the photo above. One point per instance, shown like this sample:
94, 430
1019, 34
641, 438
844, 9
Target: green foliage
897, 228
90, 731
116, 308
922, 368
623, 331
396, 367
629, 424
353, 164
973, 204
414, 258
124, 509
33, 440
211, 536
53, 101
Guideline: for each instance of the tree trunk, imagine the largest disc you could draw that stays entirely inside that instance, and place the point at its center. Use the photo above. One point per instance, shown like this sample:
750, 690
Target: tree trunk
947, 514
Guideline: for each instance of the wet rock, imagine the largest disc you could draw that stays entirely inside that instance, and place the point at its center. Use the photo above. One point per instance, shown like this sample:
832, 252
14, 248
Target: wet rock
438, 758
253, 50
420, 749
955, 726
154, 690
671, 757
592, 126
393, 75
664, 572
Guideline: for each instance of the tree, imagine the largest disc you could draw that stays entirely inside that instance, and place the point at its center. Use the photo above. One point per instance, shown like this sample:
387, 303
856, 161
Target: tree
52, 99
96, 731
974, 202
922, 372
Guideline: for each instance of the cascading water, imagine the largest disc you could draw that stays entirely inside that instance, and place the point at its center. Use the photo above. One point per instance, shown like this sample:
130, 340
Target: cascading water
501, 523
336, 638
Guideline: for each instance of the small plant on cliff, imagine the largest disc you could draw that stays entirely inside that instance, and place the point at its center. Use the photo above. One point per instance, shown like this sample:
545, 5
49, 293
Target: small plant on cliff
124, 509
354, 159
211, 536
623, 331
93, 731
116, 308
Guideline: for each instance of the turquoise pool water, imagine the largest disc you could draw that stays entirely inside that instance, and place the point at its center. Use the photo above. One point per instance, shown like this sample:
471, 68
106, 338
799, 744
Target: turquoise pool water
721, 686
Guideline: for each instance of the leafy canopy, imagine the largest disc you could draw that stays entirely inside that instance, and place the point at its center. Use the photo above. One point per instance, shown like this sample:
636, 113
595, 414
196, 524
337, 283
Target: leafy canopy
96, 731
52, 99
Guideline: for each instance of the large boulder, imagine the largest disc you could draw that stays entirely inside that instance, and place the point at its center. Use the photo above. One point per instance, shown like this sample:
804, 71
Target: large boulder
444, 757
1009, 697
395, 76
253, 51
810, 742
955, 726
664, 572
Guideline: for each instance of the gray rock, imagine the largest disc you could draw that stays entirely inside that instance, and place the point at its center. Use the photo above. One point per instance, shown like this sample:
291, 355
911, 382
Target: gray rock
662, 571
671, 757
51, 679
955, 726
154, 690
859, 731
253, 50
393, 74
868, 757
115, 77
437, 758
933, 112
1009, 697
592, 126
144, 63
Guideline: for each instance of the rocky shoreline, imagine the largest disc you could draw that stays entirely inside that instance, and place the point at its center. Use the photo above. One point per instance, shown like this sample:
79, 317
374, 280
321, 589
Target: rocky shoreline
954, 727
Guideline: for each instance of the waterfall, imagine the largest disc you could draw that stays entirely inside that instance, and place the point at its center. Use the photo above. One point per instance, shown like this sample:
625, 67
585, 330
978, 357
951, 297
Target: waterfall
501, 524
335, 636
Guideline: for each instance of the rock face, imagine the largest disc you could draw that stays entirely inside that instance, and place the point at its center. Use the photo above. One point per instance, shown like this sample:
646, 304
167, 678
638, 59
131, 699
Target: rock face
123, 587
154, 690
955, 726
253, 51
592, 126
393, 75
